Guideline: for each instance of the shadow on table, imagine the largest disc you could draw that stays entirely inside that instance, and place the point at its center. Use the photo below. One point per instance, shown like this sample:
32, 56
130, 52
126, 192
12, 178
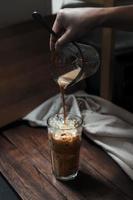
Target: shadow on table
93, 188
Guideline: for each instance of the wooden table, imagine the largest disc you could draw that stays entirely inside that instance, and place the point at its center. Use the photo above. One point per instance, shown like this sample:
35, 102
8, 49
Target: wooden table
25, 163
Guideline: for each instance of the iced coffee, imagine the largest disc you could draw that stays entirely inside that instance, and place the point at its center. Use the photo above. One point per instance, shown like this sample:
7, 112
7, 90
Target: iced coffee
65, 140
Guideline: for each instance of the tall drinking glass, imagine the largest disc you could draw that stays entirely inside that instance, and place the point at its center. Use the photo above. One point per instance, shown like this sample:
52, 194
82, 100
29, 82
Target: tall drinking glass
64, 142
74, 62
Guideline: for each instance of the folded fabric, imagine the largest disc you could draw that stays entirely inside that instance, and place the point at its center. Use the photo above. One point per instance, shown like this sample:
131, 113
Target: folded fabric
108, 125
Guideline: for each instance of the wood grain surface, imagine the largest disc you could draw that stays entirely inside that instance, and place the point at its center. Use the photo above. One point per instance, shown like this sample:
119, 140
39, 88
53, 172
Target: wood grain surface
25, 163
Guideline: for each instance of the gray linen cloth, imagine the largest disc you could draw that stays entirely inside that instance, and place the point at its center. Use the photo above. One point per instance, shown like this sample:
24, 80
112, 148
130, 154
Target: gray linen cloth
108, 125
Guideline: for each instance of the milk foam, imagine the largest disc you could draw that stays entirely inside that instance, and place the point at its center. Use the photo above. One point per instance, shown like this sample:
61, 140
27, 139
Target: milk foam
67, 128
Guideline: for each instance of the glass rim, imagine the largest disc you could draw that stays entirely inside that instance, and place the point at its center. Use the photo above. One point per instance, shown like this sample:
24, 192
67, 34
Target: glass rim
73, 115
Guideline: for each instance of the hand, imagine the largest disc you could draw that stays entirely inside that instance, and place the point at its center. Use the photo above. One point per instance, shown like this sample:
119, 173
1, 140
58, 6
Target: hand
72, 24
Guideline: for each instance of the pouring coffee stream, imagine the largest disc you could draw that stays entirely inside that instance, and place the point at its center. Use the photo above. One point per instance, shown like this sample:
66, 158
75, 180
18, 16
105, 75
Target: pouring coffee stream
63, 81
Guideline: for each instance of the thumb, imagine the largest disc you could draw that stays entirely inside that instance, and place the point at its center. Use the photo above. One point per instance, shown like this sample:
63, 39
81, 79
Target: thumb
65, 38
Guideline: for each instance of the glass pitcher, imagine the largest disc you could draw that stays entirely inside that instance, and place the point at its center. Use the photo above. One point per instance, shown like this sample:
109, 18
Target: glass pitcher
74, 62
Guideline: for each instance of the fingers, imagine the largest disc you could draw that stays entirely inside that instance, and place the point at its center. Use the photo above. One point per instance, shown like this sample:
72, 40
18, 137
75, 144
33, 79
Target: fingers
58, 42
57, 28
62, 27
63, 39
53, 40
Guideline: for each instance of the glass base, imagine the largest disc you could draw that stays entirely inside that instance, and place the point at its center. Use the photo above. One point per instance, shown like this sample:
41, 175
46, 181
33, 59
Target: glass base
67, 178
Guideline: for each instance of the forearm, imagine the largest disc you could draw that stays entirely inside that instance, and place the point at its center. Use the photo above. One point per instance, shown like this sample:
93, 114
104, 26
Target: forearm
72, 24
117, 17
